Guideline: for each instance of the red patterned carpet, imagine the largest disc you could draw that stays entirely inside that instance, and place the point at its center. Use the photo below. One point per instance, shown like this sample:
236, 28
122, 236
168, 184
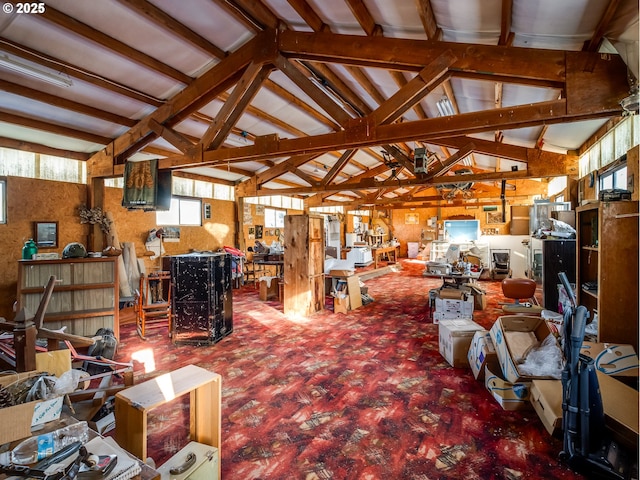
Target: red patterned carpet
359, 396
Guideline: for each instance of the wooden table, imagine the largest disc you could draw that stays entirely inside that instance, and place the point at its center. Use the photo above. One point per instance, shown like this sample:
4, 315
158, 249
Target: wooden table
377, 252
279, 264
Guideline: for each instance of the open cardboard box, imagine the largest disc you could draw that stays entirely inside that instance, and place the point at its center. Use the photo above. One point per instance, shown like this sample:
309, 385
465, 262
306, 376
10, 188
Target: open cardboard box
510, 396
17, 421
482, 353
612, 359
513, 336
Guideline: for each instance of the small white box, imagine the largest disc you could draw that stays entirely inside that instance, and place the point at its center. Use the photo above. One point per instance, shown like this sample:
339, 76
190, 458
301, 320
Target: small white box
454, 338
456, 308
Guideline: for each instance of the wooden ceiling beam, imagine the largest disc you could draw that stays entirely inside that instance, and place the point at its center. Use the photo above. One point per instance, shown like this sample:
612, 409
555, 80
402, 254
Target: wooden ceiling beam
450, 162
166, 21
235, 104
414, 91
603, 24
308, 14
175, 138
41, 149
66, 104
306, 108
185, 102
372, 183
425, 10
85, 31
411, 55
10, 117
401, 81
364, 17
361, 133
505, 22
74, 71
338, 166
239, 14
307, 86
257, 11
351, 101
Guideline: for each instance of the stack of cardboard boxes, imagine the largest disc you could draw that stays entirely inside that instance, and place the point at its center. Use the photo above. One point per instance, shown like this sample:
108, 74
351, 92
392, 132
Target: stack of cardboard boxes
494, 357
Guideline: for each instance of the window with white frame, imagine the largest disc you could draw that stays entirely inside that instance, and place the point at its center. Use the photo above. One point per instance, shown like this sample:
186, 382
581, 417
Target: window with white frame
183, 211
274, 218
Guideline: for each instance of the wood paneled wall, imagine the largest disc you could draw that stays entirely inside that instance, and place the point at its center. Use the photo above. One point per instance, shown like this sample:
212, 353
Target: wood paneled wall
31, 200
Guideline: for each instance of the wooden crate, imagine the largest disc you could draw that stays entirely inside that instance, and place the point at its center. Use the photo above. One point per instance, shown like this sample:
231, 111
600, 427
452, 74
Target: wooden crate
133, 404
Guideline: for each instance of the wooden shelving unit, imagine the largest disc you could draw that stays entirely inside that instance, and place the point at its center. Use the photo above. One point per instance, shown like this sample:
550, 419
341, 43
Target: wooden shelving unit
85, 297
607, 254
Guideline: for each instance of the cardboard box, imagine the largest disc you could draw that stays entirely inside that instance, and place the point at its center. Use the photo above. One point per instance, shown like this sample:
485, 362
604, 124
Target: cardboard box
620, 403
519, 226
479, 295
546, 398
612, 359
452, 293
512, 336
510, 396
454, 338
456, 308
439, 316
17, 421
482, 353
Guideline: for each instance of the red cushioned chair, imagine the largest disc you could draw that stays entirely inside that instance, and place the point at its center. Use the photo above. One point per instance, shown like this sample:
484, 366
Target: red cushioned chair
520, 289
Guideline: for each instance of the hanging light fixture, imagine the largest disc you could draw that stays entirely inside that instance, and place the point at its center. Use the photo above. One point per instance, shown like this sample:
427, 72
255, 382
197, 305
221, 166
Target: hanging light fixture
444, 107
33, 71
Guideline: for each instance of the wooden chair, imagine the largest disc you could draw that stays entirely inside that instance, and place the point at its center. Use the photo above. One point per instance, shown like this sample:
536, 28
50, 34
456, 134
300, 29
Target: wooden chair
153, 302
253, 272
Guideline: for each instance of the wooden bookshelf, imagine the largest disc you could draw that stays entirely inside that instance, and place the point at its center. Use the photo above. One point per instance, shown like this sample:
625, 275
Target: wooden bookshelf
607, 254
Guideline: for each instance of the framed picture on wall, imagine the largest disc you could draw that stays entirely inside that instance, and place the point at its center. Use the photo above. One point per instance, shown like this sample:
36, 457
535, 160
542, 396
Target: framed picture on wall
258, 232
46, 234
412, 218
494, 218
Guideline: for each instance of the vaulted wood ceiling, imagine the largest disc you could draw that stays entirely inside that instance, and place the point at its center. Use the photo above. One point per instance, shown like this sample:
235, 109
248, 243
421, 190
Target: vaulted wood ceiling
325, 99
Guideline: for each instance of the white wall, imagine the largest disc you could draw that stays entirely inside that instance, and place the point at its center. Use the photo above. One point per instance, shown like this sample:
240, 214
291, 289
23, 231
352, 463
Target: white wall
514, 243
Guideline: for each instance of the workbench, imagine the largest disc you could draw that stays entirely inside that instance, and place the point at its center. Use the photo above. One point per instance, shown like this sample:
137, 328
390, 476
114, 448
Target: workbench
377, 252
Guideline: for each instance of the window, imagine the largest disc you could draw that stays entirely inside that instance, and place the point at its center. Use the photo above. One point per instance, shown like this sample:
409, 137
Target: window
3, 201
274, 218
613, 179
183, 211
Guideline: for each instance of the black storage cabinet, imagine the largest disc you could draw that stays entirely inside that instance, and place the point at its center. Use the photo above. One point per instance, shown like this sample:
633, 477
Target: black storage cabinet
201, 298
557, 256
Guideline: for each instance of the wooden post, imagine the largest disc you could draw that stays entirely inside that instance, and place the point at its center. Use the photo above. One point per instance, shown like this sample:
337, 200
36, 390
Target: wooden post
24, 343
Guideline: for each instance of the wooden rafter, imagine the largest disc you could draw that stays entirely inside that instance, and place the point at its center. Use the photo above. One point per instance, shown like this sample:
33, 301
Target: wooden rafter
234, 106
